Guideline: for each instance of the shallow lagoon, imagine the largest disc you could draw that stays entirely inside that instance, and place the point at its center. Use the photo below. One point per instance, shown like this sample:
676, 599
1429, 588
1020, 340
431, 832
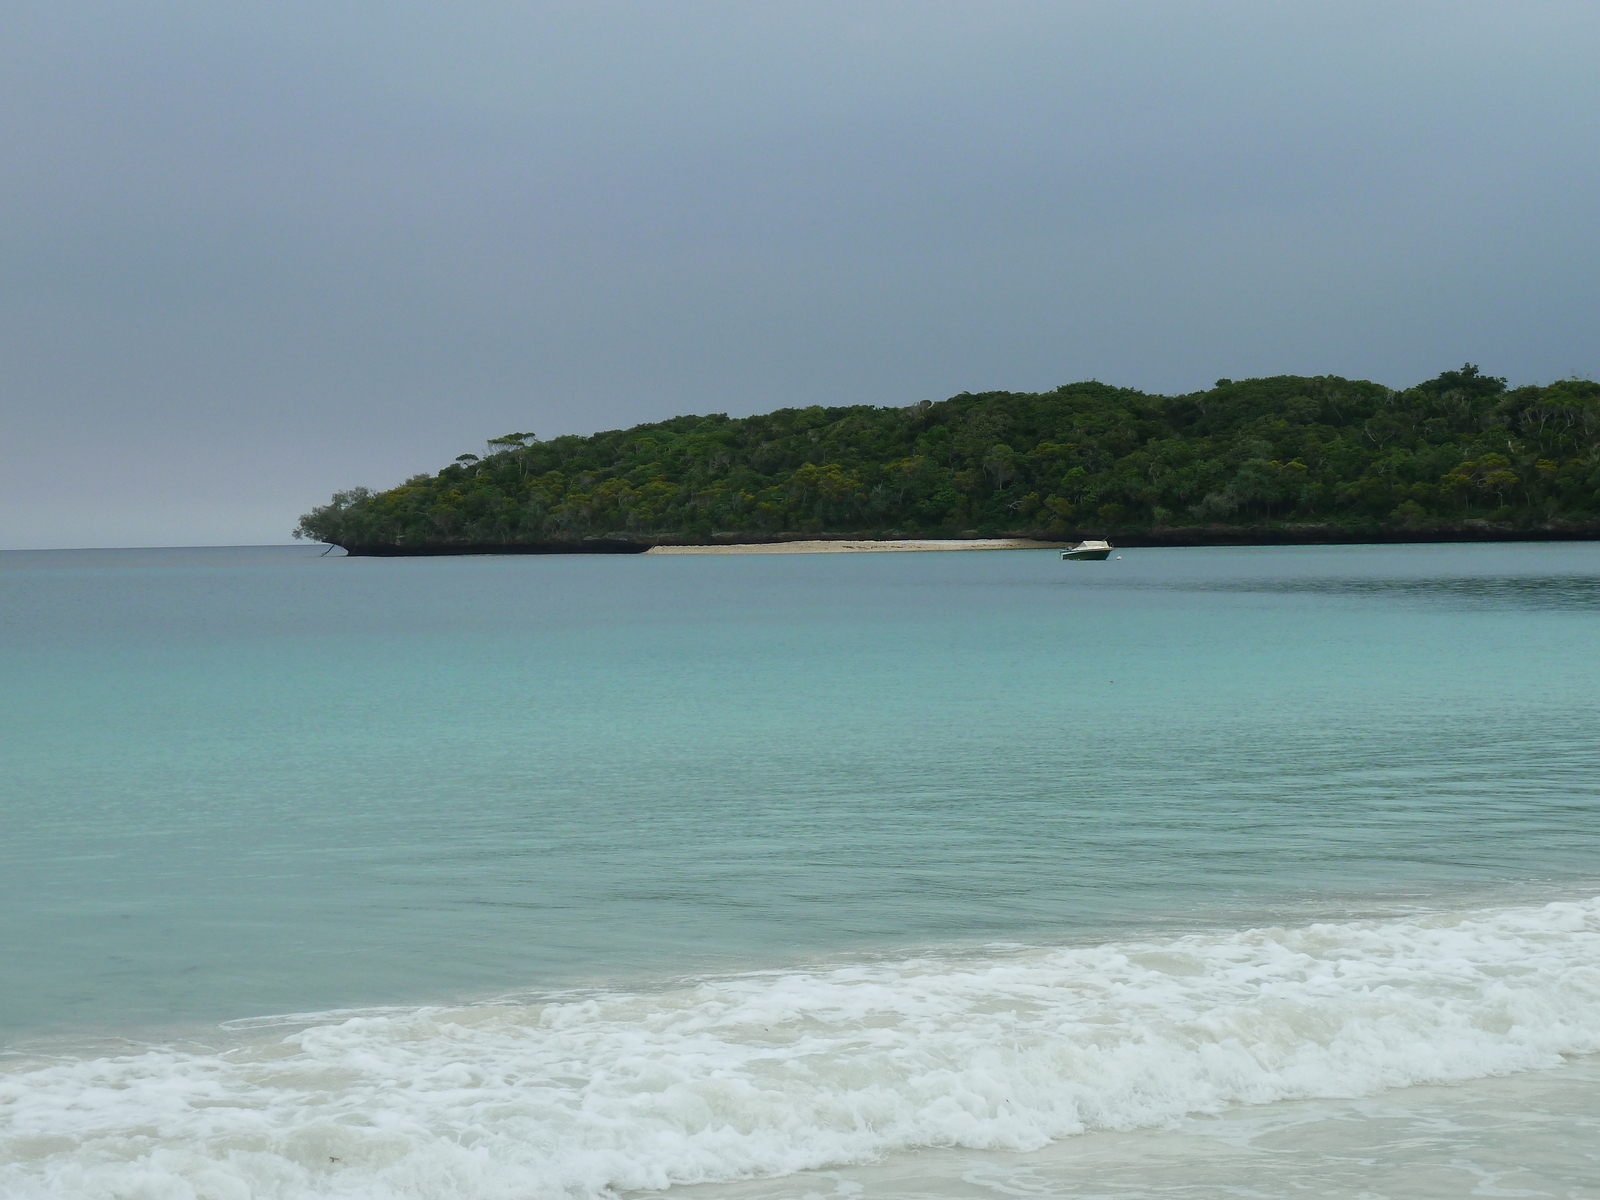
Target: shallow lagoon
251, 782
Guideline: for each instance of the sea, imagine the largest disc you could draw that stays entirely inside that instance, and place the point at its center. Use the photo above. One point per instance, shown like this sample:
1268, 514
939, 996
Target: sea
1195, 873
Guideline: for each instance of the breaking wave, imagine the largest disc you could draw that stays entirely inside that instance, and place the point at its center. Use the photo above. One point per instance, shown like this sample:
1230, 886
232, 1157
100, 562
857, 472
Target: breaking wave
765, 1074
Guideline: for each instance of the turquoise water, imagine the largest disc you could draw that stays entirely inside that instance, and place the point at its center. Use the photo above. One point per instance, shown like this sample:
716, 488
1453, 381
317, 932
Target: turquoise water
248, 782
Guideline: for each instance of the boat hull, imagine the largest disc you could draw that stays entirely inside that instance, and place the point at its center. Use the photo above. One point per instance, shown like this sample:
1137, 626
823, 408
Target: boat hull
1085, 555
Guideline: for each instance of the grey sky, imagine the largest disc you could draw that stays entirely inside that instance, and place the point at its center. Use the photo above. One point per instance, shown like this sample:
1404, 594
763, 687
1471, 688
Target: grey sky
256, 252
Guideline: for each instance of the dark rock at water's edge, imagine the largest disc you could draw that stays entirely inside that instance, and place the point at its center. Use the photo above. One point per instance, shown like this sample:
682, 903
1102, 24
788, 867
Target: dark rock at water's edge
1338, 535
589, 546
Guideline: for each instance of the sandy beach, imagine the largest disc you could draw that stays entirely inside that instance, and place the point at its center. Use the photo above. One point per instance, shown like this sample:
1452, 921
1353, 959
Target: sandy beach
848, 547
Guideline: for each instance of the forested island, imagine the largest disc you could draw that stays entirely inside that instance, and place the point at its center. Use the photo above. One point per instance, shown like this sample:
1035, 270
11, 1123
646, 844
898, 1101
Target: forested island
1280, 460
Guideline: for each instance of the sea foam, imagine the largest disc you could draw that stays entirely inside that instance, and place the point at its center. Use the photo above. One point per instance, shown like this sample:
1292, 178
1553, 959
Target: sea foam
777, 1072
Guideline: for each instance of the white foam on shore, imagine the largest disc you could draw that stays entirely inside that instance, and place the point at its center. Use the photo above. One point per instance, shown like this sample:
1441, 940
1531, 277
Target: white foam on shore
775, 1073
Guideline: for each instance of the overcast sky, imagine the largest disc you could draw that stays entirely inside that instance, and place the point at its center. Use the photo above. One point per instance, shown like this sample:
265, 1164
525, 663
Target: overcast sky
251, 253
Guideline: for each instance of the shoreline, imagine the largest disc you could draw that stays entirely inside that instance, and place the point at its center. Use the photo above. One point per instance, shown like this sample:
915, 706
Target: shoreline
861, 545
1186, 536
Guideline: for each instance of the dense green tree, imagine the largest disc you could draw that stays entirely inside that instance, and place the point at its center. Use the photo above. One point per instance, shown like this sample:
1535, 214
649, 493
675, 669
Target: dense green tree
1084, 458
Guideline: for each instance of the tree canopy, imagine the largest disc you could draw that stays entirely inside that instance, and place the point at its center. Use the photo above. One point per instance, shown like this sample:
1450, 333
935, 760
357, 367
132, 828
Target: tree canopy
1086, 459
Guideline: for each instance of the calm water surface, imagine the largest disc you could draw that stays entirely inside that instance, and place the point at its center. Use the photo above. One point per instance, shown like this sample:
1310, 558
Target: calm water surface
248, 782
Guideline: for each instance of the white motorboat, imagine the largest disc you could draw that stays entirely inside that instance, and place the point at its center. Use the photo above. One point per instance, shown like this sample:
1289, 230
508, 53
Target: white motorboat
1090, 551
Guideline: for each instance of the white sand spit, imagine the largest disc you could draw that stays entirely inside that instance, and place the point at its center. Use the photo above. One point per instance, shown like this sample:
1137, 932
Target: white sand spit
849, 547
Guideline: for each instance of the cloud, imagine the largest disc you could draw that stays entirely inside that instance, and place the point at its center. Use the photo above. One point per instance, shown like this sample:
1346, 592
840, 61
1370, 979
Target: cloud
259, 252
